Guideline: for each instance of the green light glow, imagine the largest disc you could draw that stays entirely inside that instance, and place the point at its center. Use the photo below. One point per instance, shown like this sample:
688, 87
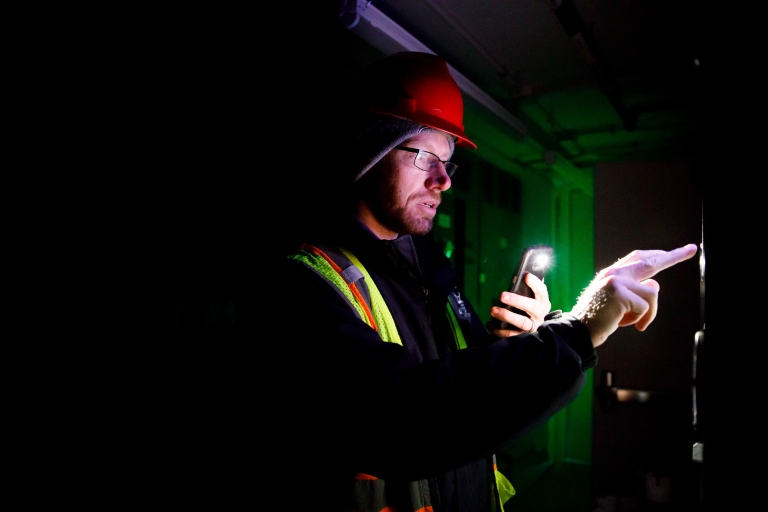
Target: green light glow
448, 248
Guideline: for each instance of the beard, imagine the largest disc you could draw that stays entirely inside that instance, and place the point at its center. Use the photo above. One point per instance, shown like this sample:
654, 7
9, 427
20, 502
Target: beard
381, 194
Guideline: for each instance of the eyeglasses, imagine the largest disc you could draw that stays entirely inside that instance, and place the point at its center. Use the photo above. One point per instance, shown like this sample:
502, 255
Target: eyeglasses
427, 161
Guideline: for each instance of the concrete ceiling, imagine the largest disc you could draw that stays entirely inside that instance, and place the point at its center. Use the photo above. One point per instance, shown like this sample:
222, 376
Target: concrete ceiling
589, 80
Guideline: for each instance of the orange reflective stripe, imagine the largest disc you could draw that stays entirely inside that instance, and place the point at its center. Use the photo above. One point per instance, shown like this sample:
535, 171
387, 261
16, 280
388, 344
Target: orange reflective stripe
363, 476
352, 286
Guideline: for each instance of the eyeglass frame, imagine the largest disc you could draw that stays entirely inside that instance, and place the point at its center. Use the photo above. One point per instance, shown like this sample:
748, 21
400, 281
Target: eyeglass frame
446, 163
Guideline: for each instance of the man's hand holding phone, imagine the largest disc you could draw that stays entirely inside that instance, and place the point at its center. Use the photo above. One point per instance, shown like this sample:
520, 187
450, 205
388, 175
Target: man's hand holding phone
526, 303
510, 323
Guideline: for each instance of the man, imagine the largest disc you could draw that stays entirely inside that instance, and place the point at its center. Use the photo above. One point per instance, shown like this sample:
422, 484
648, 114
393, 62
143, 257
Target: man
400, 394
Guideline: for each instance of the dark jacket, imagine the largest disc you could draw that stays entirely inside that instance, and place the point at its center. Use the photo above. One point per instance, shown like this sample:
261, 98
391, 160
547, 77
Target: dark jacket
423, 410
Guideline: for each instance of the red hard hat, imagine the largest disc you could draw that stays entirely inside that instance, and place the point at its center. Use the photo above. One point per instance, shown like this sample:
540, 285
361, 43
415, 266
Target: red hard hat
416, 86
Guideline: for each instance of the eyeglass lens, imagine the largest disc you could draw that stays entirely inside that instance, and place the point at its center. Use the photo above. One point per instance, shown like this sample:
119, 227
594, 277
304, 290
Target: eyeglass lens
428, 162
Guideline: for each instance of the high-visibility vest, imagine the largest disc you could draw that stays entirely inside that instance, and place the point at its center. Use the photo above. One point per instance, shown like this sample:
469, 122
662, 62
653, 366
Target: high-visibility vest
351, 279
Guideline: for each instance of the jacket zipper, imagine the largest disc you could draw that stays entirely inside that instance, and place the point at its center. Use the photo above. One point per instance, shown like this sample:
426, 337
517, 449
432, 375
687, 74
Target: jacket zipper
438, 501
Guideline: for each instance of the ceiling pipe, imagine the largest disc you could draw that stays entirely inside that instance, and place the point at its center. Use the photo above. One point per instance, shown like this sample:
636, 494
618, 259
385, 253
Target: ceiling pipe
569, 17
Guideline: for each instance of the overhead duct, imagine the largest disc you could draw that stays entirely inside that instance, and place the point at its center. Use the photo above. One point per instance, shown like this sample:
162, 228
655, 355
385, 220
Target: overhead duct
574, 26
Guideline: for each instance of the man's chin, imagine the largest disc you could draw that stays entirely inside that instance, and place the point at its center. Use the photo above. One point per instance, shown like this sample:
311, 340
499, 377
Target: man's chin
420, 228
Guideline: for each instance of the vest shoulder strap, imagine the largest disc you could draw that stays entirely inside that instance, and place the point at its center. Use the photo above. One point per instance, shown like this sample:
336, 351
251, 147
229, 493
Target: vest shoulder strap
342, 269
387, 326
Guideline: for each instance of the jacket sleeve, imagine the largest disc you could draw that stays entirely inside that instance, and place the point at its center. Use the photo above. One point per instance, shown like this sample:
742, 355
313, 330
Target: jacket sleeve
387, 413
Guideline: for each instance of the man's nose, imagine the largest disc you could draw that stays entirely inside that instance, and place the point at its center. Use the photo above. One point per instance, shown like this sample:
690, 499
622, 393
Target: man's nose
439, 178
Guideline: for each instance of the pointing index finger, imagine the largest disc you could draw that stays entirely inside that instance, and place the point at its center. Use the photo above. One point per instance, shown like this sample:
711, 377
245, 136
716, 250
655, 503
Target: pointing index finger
673, 257
649, 263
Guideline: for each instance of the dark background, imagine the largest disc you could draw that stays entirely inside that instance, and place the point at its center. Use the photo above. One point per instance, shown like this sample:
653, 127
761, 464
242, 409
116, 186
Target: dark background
211, 129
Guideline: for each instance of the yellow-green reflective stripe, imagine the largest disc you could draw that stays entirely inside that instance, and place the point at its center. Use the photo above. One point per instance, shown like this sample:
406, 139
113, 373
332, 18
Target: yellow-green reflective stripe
505, 488
384, 320
460, 342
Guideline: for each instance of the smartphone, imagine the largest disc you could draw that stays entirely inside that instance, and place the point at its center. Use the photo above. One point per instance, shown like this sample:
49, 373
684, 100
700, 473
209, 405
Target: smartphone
535, 259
